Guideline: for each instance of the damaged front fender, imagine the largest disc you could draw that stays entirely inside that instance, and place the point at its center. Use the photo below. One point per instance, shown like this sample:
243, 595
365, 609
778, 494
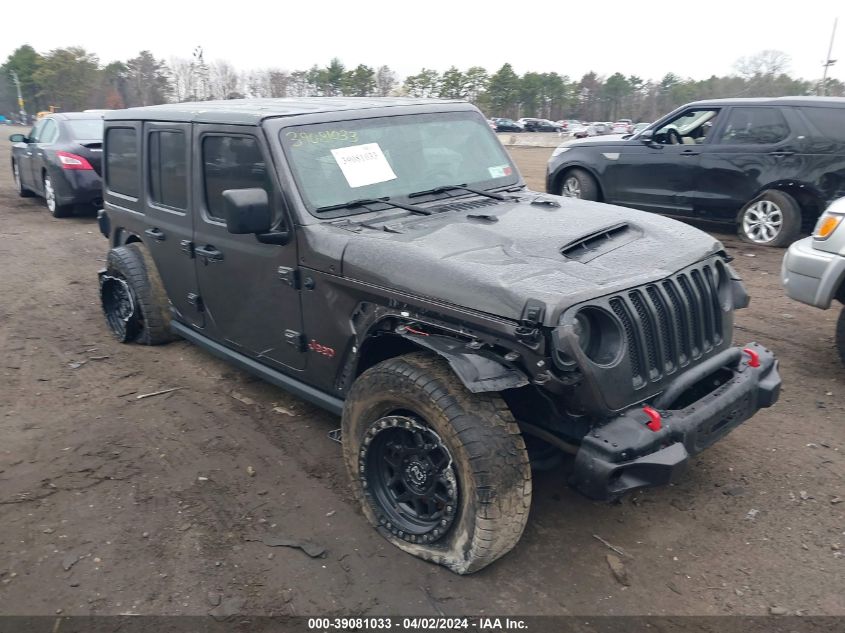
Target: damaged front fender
478, 373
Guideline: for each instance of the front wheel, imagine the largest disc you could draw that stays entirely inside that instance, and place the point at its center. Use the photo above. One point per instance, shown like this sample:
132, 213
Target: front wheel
577, 183
442, 473
840, 335
23, 192
772, 219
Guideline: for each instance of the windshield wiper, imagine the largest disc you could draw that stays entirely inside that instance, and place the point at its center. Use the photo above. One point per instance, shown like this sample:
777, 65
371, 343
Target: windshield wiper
445, 188
365, 201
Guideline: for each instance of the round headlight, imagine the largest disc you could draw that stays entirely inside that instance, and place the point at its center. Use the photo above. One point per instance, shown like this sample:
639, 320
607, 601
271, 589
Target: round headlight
583, 330
599, 335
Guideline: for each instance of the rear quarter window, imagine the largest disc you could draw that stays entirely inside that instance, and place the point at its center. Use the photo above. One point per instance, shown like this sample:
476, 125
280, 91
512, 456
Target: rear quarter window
829, 123
122, 161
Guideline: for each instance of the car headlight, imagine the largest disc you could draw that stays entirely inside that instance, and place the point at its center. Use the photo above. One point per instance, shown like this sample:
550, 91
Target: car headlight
829, 220
560, 150
599, 335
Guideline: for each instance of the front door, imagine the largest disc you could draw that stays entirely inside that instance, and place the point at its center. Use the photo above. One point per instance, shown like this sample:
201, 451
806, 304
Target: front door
250, 302
169, 218
28, 159
661, 176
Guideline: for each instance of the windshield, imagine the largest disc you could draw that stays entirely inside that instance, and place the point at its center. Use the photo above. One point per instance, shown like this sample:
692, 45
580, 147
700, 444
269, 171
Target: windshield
86, 129
339, 162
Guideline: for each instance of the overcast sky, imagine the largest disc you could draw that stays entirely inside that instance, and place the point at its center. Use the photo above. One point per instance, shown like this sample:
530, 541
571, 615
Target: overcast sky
648, 38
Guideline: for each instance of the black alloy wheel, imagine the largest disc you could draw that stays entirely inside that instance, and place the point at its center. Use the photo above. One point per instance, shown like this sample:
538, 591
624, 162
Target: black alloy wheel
410, 477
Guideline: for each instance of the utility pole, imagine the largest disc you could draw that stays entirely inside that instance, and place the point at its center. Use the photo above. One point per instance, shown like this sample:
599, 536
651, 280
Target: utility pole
828, 62
20, 96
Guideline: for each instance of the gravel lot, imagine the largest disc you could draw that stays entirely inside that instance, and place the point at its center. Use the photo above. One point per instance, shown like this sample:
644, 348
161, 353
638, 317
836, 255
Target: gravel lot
110, 504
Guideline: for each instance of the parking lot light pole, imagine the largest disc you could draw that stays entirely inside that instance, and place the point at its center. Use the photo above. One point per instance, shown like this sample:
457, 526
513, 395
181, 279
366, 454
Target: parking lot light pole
20, 96
828, 62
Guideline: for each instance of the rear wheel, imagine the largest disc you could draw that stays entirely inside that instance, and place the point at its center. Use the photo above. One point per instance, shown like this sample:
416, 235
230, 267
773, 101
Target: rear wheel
441, 472
577, 183
23, 192
773, 219
57, 210
133, 298
840, 335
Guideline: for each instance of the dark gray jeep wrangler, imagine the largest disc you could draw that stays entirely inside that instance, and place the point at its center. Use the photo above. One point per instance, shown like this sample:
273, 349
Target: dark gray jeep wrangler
383, 259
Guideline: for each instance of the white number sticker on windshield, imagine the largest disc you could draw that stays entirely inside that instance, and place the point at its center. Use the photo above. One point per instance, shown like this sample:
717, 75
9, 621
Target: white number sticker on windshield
363, 165
499, 171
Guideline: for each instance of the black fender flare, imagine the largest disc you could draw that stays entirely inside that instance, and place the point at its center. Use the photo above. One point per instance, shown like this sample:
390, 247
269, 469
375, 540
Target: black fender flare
477, 372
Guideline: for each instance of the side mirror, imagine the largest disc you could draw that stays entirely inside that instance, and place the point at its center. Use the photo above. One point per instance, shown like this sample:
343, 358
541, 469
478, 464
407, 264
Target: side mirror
18, 138
646, 137
247, 211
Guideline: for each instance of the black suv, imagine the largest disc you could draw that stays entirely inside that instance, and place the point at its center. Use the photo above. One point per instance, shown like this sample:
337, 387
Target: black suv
383, 259
769, 165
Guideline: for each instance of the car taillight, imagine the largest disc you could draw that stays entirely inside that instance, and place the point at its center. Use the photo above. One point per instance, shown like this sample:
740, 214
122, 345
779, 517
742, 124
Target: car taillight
73, 161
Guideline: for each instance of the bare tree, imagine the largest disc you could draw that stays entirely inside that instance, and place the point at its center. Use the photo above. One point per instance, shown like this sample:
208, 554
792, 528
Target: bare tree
385, 81
183, 78
224, 81
766, 63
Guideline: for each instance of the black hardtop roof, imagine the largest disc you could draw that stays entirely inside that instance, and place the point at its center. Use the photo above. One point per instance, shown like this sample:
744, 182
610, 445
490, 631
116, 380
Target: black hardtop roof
836, 102
253, 111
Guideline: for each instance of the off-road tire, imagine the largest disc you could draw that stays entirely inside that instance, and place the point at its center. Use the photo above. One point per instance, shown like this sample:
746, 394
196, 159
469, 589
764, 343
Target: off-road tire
588, 188
488, 455
790, 212
840, 335
56, 210
23, 192
133, 264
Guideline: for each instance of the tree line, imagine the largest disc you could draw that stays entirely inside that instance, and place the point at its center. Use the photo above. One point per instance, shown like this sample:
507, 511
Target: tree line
71, 79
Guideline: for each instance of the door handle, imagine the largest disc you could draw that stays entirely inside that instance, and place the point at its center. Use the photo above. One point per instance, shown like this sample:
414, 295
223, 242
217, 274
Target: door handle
689, 152
156, 234
779, 154
210, 253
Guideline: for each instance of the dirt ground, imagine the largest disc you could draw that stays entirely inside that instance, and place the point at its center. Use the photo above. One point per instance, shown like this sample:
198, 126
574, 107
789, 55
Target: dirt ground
111, 504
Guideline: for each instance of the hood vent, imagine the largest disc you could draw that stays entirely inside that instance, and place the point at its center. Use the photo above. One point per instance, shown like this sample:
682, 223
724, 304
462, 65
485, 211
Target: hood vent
465, 206
603, 241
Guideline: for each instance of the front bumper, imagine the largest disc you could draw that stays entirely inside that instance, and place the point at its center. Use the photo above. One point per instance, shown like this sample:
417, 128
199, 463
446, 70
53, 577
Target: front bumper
810, 275
625, 454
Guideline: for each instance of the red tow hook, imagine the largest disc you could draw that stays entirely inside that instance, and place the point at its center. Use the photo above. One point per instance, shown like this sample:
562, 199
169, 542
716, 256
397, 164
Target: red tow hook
654, 422
754, 357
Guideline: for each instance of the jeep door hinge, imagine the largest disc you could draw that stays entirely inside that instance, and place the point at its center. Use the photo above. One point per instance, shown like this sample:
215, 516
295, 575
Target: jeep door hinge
187, 247
297, 339
195, 300
290, 276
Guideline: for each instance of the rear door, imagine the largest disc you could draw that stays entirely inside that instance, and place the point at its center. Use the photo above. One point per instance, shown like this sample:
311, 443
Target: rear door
251, 302
751, 148
169, 217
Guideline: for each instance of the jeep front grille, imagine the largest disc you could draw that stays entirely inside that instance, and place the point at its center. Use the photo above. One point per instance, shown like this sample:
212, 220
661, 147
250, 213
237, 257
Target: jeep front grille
670, 323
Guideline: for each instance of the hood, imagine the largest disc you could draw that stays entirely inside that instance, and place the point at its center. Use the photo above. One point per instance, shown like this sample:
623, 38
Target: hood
608, 139
496, 257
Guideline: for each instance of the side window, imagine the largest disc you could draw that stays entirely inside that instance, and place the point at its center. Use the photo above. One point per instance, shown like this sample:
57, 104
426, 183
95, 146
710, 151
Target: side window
168, 168
35, 133
690, 128
231, 162
828, 122
122, 161
754, 126
49, 132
